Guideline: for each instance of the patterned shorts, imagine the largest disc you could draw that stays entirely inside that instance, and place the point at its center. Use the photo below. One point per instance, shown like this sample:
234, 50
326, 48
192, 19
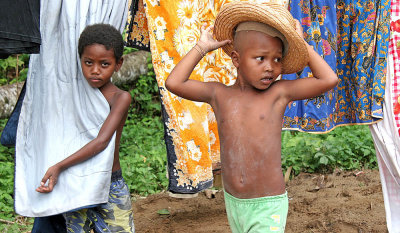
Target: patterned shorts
114, 216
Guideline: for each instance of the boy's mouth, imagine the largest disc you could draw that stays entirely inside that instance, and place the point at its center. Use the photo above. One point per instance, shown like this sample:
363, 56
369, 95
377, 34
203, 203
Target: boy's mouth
95, 80
266, 80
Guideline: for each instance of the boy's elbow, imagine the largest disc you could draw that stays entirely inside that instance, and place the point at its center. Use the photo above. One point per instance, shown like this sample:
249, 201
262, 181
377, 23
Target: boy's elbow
331, 81
169, 84
102, 143
334, 81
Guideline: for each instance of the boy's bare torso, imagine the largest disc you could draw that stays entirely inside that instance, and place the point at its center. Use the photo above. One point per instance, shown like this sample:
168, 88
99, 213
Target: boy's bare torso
111, 94
249, 125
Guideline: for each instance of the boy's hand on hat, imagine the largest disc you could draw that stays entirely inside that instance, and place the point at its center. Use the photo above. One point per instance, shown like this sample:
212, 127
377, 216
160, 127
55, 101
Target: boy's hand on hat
207, 42
50, 178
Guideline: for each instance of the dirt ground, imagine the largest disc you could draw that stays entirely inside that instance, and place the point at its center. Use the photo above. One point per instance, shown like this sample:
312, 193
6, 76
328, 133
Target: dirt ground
340, 202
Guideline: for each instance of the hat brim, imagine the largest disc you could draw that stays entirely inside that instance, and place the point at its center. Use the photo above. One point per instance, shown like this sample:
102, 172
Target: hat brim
273, 15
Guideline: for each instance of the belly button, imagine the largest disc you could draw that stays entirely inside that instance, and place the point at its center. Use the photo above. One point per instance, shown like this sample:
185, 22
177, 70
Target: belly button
262, 117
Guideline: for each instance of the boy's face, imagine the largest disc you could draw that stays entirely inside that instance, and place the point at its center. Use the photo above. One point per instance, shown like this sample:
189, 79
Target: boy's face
98, 64
257, 58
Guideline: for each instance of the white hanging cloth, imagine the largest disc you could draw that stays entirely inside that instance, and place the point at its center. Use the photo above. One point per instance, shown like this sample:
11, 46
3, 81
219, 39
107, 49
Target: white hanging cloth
387, 144
61, 112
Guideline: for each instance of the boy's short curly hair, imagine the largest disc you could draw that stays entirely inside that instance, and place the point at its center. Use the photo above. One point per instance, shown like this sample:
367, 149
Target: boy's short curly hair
103, 34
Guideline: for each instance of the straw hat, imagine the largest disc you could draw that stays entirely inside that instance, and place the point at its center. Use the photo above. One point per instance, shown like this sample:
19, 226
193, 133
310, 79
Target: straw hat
271, 14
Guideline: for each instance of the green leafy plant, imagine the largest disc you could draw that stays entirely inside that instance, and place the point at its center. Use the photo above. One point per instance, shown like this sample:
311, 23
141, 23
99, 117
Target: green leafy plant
143, 155
9, 221
14, 69
346, 147
145, 94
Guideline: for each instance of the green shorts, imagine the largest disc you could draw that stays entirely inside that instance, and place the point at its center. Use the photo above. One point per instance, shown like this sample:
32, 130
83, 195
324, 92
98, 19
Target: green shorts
263, 214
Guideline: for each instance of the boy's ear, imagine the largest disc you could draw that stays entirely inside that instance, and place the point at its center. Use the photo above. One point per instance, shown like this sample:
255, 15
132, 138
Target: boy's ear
119, 64
235, 58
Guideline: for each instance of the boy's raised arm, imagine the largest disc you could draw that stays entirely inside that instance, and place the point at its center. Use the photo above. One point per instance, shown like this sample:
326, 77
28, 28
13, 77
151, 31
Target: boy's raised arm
324, 78
178, 81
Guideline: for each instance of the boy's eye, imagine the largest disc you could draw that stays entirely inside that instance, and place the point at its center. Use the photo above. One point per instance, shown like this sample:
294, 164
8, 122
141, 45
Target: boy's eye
105, 64
88, 62
278, 59
259, 58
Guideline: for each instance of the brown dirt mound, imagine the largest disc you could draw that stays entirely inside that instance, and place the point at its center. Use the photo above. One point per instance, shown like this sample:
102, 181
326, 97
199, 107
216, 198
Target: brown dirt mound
342, 202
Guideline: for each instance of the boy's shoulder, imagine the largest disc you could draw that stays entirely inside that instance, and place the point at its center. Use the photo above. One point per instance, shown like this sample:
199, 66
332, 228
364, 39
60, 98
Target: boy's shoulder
122, 97
116, 96
122, 94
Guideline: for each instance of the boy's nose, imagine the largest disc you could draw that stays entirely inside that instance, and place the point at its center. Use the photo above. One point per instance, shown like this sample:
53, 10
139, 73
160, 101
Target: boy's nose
95, 69
268, 66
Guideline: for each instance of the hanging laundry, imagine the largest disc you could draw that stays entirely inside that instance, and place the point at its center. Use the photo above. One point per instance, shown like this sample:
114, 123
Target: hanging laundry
190, 127
363, 40
386, 132
19, 33
61, 112
387, 144
19, 27
137, 30
318, 19
395, 52
357, 49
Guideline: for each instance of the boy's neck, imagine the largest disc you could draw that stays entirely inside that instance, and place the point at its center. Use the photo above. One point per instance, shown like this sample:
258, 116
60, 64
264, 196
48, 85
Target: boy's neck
240, 84
107, 87
243, 86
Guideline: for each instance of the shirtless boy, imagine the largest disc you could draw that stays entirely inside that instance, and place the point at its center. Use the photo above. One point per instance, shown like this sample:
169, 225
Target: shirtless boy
267, 42
100, 49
